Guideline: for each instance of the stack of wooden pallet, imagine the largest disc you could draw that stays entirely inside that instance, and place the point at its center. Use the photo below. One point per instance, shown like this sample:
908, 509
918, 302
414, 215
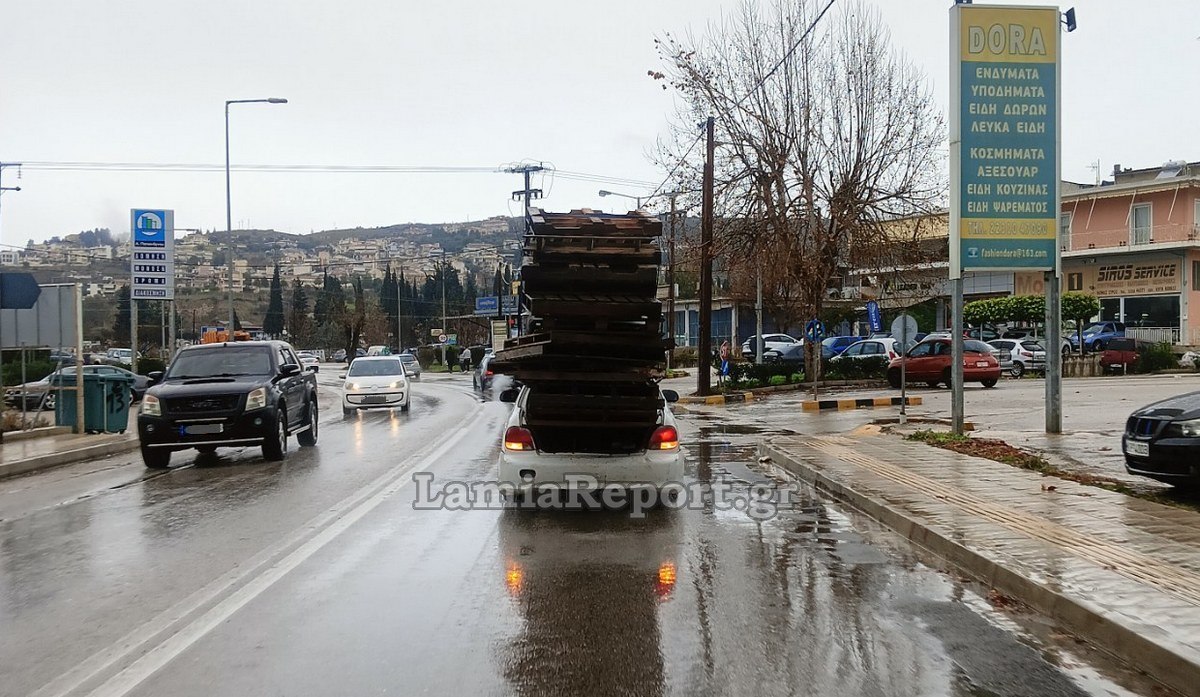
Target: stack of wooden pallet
596, 349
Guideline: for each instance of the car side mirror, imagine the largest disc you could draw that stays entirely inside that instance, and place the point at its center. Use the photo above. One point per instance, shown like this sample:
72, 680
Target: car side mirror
509, 395
155, 376
670, 395
288, 370
342, 376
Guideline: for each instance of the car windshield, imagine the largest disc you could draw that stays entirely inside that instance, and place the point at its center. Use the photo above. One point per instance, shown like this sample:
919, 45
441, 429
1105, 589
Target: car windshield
361, 368
973, 346
224, 361
1094, 328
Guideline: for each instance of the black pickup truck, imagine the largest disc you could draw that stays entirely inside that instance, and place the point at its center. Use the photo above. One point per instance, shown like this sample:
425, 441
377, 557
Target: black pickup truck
228, 395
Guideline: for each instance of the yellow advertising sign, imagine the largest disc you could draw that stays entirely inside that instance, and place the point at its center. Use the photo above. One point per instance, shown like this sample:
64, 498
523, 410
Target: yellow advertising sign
1009, 35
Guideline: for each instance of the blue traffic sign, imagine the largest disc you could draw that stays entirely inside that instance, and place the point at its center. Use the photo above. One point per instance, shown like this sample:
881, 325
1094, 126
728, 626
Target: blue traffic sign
150, 228
487, 305
874, 316
814, 330
18, 291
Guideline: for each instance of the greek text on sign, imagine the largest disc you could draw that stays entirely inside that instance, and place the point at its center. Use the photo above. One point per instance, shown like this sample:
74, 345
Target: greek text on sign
1004, 131
1137, 279
152, 263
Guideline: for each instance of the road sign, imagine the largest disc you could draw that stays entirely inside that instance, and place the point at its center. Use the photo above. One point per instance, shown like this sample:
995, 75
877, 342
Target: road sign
436, 332
874, 316
904, 328
452, 339
814, 330
1004, 135
51, 321
152, 262
499, 333
508, 304
442, 338
18, 291
487, 305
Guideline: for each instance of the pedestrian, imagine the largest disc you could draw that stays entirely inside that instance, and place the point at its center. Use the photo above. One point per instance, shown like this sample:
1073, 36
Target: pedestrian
464, 360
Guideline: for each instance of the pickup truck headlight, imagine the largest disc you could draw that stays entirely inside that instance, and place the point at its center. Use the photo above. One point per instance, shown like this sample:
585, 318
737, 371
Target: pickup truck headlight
1187, 429
151, 406
257, 399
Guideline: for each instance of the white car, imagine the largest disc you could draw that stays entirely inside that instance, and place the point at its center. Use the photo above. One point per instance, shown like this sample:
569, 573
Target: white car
771, 342
869, 348
309, 361
533, 458
1026, 355
375, 382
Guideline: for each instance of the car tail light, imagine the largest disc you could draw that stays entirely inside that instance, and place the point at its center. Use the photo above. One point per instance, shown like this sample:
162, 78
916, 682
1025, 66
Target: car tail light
664, 438
487, 373
517, 438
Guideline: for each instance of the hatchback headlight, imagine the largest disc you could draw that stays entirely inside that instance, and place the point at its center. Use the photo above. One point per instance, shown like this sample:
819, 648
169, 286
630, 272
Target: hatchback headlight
1187, 429
151, 406
257, 399
352, 386
397, 384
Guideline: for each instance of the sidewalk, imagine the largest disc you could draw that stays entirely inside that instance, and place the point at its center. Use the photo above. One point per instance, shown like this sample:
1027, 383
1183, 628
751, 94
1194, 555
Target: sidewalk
1121, 572
22, 456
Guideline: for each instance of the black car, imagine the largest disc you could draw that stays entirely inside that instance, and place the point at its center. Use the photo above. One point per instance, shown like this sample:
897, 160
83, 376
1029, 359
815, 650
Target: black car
229, 395
792, 355
1162, 440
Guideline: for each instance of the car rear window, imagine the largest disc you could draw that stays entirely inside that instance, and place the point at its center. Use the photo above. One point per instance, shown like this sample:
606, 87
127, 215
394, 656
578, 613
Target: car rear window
1031, 346
974, 346
1122, 344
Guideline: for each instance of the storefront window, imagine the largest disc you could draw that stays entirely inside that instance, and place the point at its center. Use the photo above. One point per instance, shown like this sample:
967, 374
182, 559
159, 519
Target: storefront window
1154, 311
1110, 310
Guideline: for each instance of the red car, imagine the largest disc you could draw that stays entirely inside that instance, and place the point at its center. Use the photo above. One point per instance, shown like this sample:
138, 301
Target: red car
929, 362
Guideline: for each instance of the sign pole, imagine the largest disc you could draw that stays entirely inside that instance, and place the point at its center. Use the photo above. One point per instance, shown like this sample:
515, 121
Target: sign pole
903, 375
133, 335
78, 360
1054, 355
956, 360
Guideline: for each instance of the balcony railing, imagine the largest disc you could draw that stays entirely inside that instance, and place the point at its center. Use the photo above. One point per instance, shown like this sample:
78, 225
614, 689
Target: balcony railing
1125, 236
1154, 335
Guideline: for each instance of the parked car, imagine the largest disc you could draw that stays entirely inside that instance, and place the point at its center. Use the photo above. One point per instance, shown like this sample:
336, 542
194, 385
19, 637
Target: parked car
1036, 335
1162, 440
226, 396
412, 367
1027, 355
869, 348
379, 351
120, 356
1097, 335
339, 356
375, 382
792, 355
929, 362
38, 393
770, 342
309, 361
834, 345
481, 379
1120, 355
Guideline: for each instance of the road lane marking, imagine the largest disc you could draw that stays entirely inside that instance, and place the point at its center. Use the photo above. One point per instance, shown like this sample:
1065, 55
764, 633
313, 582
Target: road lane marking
178, 627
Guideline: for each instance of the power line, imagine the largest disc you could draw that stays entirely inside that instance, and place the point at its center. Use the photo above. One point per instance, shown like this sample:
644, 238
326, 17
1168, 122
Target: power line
786, 55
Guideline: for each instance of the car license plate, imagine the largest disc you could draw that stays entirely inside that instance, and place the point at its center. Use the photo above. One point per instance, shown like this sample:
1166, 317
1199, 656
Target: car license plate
1134, 447
374, 399
201, 429
980, 364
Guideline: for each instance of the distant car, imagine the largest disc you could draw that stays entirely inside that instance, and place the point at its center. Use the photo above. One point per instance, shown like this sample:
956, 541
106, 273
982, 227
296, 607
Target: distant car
379, 351
1036, 335
309, 361
375, 382
360, 352
38, 393
412, 366
771, 342
886, 348
339, 356
834, 345
1120, 355
1162, 440
792, 355
481, 380
120, 356
1027, 355
1097, 335
929, 362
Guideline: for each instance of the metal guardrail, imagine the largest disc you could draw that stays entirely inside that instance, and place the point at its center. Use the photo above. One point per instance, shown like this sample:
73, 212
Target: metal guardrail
1154, 335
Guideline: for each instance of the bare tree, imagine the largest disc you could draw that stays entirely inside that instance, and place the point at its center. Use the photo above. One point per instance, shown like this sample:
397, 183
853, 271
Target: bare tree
825, 133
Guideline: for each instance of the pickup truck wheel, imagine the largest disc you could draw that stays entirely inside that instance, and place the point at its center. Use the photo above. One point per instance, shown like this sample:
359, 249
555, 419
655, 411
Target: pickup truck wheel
308, 437
207, 449
274, 446
156, 458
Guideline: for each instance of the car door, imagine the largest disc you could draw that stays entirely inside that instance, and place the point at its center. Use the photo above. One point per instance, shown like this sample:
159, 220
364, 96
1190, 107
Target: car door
853, 352
920, 360
292, 387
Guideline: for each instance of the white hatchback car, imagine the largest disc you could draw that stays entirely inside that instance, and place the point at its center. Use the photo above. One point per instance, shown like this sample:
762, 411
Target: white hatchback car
375, 382
631, 458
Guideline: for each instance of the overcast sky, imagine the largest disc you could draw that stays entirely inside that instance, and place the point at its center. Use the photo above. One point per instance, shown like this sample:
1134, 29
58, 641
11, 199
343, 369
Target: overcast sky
451, 84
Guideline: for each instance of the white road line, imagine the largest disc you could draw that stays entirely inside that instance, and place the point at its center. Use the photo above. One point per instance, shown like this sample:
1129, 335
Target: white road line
237, 588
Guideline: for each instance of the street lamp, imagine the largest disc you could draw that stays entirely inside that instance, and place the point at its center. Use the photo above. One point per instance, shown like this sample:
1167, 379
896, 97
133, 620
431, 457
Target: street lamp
614, 193
228, 205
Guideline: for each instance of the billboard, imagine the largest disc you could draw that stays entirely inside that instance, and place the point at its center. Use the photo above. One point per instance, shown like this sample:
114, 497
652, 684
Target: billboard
1004, 138
152, 261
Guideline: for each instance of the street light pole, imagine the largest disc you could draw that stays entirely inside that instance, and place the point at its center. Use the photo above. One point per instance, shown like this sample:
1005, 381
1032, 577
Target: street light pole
229, 207
604, 192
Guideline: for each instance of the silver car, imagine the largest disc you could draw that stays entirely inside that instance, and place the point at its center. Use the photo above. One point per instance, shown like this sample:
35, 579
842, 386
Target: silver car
1026, 356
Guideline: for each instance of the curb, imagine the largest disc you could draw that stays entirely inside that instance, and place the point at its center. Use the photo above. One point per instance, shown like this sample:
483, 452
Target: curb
1158, 659
717, 399
66, 457
860, 403
15, 436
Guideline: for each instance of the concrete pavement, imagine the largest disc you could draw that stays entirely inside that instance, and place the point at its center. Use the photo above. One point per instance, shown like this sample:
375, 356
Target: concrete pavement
1117, 570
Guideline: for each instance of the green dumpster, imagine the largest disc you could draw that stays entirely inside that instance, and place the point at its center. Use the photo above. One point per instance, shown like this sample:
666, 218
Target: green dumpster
106, 400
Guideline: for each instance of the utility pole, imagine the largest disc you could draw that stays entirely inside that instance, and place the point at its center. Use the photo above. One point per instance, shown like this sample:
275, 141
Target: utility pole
704, 350
445, 329
528, 194
671, 283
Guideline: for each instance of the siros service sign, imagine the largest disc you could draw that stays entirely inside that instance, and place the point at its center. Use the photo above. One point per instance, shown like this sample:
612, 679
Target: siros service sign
1004, 138
152, 261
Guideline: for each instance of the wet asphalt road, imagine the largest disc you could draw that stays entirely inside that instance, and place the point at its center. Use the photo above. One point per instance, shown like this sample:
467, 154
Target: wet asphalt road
316, 576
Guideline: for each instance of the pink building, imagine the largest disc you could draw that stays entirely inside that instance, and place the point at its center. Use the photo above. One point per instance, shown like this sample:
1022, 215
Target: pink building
1135, 243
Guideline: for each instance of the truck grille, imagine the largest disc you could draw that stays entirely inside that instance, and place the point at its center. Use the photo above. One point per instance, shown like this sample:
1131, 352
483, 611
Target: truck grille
203, 405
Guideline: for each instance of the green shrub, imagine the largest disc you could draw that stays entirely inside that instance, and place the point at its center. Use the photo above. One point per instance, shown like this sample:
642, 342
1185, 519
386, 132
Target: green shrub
34, 370
796, 378
1155, 357
777, 380
751, 383
858, 369
426, 356
683, 357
